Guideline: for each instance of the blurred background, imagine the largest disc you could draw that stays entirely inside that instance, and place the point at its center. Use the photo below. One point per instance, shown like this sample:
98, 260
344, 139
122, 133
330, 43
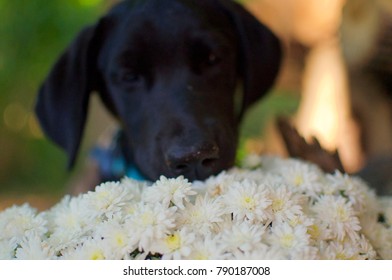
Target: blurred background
32, 35
334, 85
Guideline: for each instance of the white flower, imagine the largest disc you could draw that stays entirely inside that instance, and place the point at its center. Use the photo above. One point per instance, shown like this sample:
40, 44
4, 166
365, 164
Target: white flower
166, 191
69, 222
215, 186
7, 249
202, 216
207, 248
337, 213
291, 239
386, 210
271, 163
283, 209
33, 248
262, 253
348, 250
285, 205
176, 245
247, 200
134, 187
319, 231
19, 221
352, 188
252, 161
108, 199
302, 176
117, 241
243, 237
90, 249
366, 250
149, 223
68, 214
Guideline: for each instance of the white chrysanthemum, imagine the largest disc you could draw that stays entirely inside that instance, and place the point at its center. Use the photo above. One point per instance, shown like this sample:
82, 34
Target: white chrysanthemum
117, 240
366, 250
262, 253
384, 247
348, 249
90, 249
108, 199
19, 221
252, 161
380, 237
271, 163
135, 188
303, 177
285, 205
33, 248
207, 248
7, 249
149, 223
318, 231
276, 211
247, 200
177, 245
307, 253
339, 216
202, 216
68, 214
244, 237
215, 186
167, 191
289, 238
386, 210
69, 223
352, 188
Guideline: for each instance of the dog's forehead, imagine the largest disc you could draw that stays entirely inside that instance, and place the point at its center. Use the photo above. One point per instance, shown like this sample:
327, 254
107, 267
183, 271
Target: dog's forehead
171, 19
164, 28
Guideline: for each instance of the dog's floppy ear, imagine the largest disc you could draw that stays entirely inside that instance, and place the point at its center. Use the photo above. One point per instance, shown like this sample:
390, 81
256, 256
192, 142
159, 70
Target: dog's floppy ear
260, 53
63, 98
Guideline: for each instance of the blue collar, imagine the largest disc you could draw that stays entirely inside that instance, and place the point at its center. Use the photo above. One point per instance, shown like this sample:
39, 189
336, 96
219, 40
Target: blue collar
111, 161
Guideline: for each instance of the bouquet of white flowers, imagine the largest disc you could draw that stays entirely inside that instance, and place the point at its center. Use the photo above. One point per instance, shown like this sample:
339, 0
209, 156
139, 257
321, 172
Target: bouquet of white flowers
271, 208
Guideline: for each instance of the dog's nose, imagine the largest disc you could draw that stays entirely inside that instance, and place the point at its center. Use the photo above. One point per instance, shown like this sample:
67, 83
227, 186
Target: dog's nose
194, 163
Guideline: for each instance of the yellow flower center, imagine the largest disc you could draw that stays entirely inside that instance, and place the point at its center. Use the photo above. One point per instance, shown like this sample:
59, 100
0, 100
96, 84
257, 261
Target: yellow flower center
97, 255
277, 205
298, 180
314, 231
119, 238
147, 218
343, 256
201, 256
342, 214
173, 242
248, 202
295, 221
287, 240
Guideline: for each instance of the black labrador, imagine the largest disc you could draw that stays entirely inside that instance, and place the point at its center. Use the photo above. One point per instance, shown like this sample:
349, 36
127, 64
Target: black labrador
168, 70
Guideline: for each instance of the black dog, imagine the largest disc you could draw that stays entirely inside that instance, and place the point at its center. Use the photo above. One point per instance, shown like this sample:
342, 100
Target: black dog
168, 71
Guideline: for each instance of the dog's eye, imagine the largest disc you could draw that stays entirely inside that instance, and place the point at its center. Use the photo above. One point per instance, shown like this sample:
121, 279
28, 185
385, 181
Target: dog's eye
130, 77
212, 59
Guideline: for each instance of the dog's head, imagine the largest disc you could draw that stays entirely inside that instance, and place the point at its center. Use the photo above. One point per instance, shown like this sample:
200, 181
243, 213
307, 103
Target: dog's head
168, 70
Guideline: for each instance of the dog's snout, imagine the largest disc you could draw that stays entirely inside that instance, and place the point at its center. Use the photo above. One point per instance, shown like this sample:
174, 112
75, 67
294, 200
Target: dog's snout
192, 162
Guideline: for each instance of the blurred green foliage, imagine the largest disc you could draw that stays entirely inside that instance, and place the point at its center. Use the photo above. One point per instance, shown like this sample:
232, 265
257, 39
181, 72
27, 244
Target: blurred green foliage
33, 33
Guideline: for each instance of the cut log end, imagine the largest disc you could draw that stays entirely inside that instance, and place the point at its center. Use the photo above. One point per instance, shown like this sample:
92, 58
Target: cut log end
298, 147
